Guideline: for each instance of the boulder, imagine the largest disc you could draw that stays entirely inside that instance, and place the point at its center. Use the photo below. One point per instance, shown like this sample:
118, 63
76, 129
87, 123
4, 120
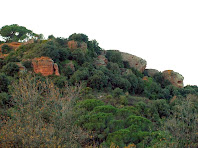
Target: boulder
101, 60
45, 66
56, 70
134, 61
175, 78
151, 72
75, 45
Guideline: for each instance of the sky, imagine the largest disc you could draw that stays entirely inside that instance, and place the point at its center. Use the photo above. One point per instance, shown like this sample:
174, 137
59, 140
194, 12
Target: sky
163, 32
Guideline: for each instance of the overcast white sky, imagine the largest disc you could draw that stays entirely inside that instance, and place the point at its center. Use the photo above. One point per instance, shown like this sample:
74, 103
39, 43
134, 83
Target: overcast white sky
163, 32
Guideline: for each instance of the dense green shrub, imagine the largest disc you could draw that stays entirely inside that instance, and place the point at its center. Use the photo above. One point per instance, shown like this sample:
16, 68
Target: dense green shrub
60, 81
90, 104
4, 99
98, 80
10, 69
143, 123
115, 57
2, 63
81, 74
105, 109
115, 125
79, 56
159, 78
79, 37
5, 49
28, 65
114, 68
120, 138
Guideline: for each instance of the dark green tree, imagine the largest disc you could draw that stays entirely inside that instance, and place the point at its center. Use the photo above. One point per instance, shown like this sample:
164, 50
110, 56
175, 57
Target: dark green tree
79, 37
15, 33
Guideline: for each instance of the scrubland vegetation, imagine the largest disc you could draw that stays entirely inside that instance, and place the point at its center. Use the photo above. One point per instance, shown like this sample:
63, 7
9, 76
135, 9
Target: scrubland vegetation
90, 105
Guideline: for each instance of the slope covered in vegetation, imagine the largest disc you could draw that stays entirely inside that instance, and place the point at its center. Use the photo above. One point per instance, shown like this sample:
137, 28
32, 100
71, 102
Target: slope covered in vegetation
69, 92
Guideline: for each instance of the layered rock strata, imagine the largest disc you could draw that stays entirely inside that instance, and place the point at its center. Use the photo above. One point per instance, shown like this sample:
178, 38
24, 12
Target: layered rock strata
45, 66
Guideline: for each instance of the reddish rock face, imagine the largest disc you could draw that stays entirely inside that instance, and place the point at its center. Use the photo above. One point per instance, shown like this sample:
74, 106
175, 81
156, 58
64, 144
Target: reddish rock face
101, 60
56, 70
75, 45
72, 45
45, 66
134, 61
175, 78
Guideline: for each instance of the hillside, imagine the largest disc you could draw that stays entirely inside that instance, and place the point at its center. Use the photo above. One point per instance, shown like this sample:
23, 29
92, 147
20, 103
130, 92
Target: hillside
69, 92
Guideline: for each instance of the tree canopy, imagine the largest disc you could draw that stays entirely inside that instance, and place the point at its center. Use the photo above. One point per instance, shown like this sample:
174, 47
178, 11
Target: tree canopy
15, 33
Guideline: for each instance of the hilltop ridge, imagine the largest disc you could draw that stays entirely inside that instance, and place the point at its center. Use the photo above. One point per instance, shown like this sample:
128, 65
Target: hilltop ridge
69, 92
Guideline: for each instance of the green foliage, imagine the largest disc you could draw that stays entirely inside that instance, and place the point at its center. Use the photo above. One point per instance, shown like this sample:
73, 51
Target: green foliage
115, 125
132, 78
81, 74
4, 83
159, 78
28, 65
10, 69
93, 46
4, 99
115, 57
117, 92
90, 104
79, 56
15, 33
161, 107
119, 137
98, 80
105, 109
141, 122
96, 122
114, 68
60, 81
79, 37
5, 49
2, 63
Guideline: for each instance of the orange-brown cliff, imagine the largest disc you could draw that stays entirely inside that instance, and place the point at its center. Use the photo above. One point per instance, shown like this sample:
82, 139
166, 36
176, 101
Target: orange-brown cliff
45, 66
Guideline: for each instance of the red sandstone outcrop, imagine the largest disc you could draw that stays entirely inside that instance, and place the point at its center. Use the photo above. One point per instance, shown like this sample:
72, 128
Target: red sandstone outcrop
134, 61
175, 78
45, 66
101, 61
151, 72
75, 45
